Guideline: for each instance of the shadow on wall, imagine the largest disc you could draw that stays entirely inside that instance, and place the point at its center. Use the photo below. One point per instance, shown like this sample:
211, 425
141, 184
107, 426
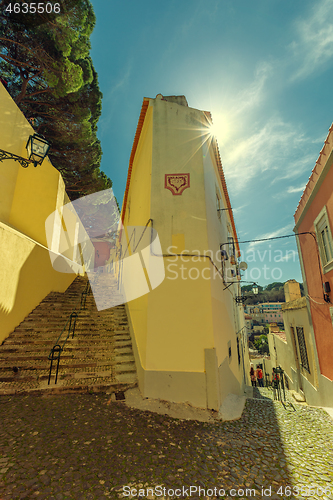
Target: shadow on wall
26, 281
228, 382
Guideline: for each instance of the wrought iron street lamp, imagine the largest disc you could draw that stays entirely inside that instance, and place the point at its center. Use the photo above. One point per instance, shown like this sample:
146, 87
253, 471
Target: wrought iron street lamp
241, 299
37, 148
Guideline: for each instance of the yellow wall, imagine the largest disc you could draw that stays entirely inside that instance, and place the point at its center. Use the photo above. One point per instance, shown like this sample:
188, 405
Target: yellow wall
26, 277
180, 317
185, 321
14, 131
27, 197
227, 316
137, 214
35, 193
179, 320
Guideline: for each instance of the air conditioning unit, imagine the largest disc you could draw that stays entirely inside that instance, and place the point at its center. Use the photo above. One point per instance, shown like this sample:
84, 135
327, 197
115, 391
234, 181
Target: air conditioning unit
224, 255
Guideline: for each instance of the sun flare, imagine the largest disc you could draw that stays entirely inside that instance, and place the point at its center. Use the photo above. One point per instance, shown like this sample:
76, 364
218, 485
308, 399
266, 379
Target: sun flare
220, 128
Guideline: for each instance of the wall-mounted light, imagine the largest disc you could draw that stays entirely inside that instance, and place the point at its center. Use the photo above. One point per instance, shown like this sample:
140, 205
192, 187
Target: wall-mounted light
37, 148
242, 298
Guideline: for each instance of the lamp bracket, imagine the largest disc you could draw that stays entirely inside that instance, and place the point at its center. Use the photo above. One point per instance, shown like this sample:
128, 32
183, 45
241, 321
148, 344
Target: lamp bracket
4, 155
241, 299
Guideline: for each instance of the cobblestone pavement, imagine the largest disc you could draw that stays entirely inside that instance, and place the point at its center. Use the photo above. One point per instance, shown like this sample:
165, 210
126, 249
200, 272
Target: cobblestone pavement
85, 446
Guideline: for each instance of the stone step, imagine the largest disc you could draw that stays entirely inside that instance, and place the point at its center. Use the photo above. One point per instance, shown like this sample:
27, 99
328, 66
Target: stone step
44, 388
75, 363
79, 326
68, 363
84, 313
71, 344
51, 338
43, 363
81, 358
99, 357
65, 372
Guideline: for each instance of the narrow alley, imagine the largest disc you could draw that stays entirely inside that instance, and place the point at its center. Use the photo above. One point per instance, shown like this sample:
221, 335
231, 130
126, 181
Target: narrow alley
87, 446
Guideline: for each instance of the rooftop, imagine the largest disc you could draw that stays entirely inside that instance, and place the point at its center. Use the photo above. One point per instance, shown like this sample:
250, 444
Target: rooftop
281, 335
316, 172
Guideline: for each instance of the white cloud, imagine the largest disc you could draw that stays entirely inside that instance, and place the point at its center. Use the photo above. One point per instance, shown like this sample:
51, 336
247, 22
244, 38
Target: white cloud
290, 254
296, 189
273, 234
238, 210
235, 107
314, 44
109, 99
272, 148
253, 94
297, 167
119, 84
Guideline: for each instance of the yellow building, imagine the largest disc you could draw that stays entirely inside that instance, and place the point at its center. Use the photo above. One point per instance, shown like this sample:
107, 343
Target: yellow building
27, 197
188, 333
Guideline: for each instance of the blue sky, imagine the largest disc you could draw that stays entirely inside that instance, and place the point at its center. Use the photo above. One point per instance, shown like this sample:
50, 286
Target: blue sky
263, 68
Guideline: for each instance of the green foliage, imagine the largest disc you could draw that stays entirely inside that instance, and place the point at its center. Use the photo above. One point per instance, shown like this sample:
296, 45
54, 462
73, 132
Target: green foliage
274, 286
261, 344
45, 60
248, 288
274, 292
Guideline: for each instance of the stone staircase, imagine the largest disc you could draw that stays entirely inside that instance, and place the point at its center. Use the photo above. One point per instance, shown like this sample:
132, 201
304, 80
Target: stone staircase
98, 358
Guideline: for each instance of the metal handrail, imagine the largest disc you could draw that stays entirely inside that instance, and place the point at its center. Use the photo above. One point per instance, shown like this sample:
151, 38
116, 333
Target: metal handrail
278, 384
133, 235
122, 256
57, 349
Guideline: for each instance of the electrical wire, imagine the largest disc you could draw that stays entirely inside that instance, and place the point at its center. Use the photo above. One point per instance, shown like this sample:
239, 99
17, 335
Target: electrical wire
289, 236
319, 303
276, 237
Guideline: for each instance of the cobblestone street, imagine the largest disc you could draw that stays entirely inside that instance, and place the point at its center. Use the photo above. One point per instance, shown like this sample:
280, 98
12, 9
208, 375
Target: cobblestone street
85, 446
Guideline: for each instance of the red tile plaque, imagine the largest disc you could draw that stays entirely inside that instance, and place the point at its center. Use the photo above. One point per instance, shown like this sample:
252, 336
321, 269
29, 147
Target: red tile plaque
177, 183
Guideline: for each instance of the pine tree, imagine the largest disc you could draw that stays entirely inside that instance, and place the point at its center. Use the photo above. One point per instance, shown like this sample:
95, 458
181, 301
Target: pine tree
46, 62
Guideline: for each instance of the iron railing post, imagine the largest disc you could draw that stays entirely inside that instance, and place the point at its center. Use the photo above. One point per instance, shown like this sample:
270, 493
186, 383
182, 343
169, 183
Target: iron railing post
55, 349
73, 315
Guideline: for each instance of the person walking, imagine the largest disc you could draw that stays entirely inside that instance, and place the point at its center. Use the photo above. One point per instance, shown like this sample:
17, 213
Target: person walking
259, 375
253, 377
275, 380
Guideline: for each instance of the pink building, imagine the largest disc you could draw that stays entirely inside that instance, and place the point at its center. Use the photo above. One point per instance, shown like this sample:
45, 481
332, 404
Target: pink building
314, 223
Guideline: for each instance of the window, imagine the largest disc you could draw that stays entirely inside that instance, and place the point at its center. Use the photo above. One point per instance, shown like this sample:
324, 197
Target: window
302, 348
231, 245
218, 206
218, 203
324, 238
238, 351
229, 350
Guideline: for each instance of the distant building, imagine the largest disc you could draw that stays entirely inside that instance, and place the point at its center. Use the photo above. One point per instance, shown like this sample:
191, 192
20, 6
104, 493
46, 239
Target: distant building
272, 312
266, 312
248, 323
